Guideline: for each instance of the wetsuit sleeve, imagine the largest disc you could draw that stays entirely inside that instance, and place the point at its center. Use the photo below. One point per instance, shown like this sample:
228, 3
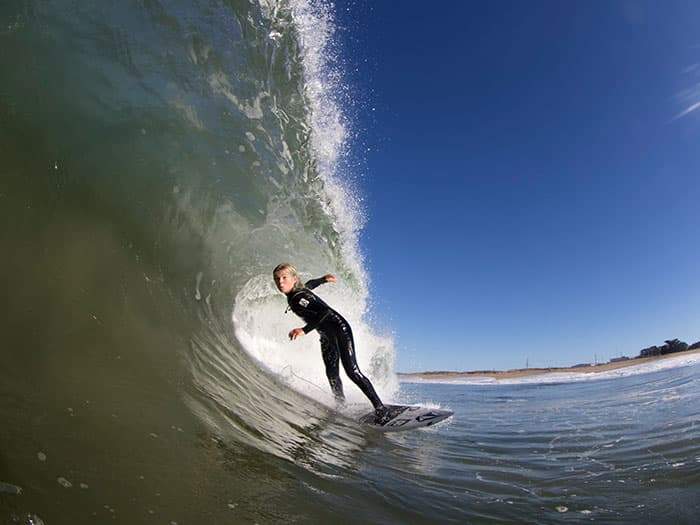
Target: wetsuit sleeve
314, 283
316, 311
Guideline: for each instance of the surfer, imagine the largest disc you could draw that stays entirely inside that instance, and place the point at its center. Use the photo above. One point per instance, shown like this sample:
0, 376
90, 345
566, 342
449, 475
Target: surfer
336, 336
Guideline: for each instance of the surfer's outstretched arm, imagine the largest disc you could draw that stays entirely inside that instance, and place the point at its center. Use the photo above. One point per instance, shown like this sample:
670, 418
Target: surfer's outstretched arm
314, 283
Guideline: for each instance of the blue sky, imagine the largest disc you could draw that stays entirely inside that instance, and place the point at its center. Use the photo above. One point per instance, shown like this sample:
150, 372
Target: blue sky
530, 189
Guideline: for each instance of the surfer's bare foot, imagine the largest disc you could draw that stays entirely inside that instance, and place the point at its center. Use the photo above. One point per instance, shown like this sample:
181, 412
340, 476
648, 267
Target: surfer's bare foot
381, 415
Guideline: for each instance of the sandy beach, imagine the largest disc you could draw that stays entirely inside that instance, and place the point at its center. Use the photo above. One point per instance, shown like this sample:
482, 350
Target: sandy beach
527, 372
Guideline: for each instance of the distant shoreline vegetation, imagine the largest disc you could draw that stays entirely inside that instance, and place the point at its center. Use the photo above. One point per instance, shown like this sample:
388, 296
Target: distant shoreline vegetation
671, 346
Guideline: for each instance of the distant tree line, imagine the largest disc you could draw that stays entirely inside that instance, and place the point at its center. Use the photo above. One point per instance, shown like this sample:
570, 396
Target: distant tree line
670, 347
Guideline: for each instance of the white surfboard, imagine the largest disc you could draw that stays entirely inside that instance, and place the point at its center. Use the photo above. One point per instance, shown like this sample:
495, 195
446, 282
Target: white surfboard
402, 417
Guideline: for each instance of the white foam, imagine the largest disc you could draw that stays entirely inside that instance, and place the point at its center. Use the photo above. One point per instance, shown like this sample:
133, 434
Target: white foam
567, 377
313, 20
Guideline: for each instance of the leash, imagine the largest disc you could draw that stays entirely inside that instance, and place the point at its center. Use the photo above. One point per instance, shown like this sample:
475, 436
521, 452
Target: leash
291, 371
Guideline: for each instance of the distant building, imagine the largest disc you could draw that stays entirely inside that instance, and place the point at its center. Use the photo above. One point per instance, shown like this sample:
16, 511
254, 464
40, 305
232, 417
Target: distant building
619, 359
580, 365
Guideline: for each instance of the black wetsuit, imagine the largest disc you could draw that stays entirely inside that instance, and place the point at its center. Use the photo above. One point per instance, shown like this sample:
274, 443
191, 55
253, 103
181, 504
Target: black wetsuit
336, 339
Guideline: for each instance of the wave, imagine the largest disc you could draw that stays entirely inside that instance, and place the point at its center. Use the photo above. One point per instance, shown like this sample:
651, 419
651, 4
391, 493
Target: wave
158, 161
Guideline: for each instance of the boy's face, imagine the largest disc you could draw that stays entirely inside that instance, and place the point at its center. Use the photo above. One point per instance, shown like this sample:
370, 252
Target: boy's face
285, 281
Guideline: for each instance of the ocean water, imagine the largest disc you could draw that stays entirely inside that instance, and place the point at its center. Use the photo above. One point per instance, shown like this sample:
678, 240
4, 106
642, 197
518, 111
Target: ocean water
611, 450
157, 160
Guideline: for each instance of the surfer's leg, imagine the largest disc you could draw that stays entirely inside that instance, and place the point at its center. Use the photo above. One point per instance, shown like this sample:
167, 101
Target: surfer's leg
329, 351
346, 346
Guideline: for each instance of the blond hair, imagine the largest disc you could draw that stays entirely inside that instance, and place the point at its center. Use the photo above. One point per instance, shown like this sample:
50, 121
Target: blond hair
298, 285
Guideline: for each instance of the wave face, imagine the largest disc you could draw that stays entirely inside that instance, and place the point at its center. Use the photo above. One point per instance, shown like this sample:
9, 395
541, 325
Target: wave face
158, 159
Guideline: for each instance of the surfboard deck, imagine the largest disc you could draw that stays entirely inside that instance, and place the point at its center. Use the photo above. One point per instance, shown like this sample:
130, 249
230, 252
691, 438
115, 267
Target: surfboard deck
405, 417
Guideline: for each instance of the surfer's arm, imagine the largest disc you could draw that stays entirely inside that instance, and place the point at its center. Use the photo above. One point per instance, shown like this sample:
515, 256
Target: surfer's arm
315, 310
314, 324
314, 283
297, 332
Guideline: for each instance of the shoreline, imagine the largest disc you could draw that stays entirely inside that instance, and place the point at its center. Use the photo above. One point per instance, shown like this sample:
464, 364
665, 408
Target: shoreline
529, 372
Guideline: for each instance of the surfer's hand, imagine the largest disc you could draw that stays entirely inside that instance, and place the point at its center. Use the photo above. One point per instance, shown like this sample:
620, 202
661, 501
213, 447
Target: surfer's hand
297, 332
330, 278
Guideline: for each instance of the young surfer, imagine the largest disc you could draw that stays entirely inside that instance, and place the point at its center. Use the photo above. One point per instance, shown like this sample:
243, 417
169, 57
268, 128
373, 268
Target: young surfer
336, 336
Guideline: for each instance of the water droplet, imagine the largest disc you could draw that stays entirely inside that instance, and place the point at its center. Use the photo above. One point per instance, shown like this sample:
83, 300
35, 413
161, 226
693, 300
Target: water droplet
64, 483
9, 488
